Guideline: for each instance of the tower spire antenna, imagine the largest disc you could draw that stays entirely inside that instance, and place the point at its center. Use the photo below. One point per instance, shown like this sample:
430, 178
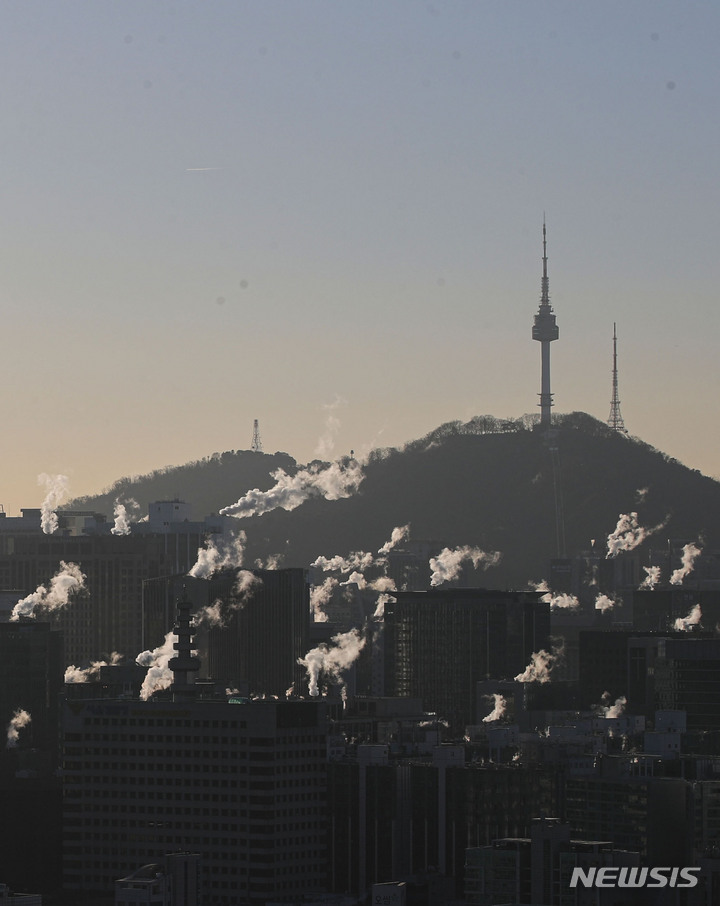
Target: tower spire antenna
545, 330
256, 445
615, 420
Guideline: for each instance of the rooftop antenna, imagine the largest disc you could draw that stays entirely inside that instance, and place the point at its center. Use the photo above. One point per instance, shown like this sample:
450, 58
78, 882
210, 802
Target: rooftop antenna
256, 445
615, 421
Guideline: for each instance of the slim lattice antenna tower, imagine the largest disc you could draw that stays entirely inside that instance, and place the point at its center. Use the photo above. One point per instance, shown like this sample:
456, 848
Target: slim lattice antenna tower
256, 445
616, 420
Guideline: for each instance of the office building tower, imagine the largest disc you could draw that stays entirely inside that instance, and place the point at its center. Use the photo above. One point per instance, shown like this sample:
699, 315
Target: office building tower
239, 783
440, 643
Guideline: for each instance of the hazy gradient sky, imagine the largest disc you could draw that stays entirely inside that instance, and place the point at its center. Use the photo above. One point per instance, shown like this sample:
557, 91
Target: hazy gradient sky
220, 211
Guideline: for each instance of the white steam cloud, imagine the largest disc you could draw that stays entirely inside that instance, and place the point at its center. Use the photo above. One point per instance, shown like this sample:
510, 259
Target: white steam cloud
604, 603
446, 566
57, 490
159, 675
499, 710
557, 602
400, 533
326, 443
615, 710
380, 606
628, 534
683, 624
356, 560
354, 567
66, 582
540, 667
333, 483
320, 597
75, 674
334, 660
652, 578
217, 613
689, 555
225, 552
123, 520
19, 720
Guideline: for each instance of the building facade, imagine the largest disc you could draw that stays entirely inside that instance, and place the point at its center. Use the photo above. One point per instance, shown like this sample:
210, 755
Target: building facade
440, 643
243, 785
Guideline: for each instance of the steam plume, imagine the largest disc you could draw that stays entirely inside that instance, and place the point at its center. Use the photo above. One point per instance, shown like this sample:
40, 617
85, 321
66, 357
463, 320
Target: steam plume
682, 624
224, 552
628, 534
356, 578
499, 710
689, 555
332, 483
652, 578
319, 598
67, 581
380, 606
541, 665
326, 443
159, 675
333, 661
57, 490
382, 584
217, 613
354, 567
122, 519
446, 566
615, 710
556, 602
604, 603
19, 720
400, 533
359, 560
75, 674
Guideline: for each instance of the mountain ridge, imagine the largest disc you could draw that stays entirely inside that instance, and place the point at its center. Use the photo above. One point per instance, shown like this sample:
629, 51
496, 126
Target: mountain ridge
491, 483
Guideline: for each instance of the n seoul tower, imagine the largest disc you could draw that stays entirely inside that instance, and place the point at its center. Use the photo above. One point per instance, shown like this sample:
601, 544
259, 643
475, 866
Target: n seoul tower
545, 330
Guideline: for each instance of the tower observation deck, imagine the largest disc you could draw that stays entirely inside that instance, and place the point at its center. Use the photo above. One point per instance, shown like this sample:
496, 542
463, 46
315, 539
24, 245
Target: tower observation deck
545, 330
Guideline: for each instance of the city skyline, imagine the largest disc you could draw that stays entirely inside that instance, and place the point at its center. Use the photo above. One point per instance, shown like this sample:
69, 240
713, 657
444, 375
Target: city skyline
329, 217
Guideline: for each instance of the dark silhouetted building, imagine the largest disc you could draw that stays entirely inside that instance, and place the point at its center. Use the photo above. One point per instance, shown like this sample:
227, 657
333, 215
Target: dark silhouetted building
440, 643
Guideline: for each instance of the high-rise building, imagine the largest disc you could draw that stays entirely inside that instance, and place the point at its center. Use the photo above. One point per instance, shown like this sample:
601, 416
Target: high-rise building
398, 818
538, 868
440, 643
239, 783
264, 627
106, 615
266, 632
31, 681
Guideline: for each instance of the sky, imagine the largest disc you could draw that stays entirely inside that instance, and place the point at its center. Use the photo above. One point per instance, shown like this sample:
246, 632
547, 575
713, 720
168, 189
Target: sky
327, 215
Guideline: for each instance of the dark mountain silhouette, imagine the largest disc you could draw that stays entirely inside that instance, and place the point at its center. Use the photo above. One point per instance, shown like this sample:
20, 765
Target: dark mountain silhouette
489, 483
207, 484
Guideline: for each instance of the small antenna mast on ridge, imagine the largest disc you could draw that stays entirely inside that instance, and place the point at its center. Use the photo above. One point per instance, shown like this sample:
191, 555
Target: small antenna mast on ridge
615, 420
256, 445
